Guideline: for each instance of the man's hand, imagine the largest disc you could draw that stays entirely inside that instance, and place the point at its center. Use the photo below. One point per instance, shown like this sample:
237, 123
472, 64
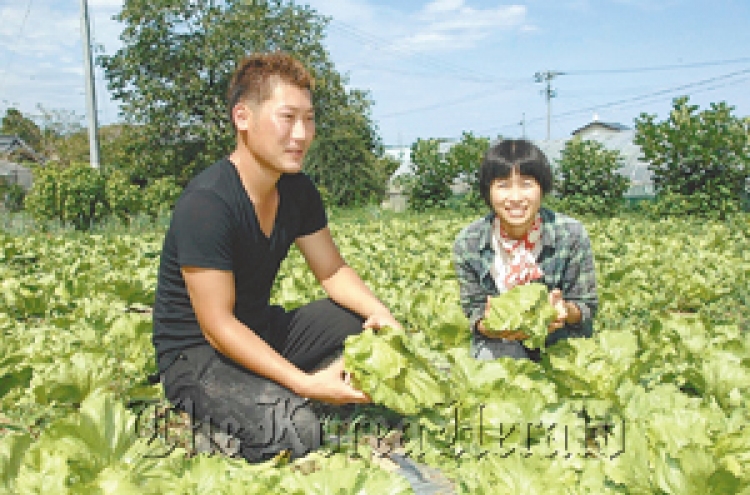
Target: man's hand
331, 385
380, 320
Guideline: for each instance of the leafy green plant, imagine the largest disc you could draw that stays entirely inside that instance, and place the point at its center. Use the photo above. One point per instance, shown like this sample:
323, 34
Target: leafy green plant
429, 184
11, 196
655, 402
392, 369
589, 178
524, 308
74, 195
160, 196
699, 160
437, 166
124, 198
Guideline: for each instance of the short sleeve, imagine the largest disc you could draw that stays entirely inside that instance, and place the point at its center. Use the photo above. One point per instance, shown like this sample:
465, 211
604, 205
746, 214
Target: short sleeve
313, 211
202, 230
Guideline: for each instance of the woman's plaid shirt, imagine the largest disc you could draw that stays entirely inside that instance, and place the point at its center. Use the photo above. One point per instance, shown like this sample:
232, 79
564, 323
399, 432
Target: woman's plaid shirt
566, 260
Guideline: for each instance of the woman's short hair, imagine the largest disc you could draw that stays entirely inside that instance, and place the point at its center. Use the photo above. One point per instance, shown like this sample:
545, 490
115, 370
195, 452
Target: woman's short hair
509, 154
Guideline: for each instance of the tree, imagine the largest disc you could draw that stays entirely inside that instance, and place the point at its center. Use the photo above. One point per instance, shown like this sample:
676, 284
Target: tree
589, 181
14, 123
700, 160
64, 138
341, 160
429, 184
72, 195
174, 68
465, 158
437, 166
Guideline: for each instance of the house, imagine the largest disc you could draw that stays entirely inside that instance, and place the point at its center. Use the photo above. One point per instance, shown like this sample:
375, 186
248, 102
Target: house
12, 151
13, 173
14, 148
614, 137
597, 127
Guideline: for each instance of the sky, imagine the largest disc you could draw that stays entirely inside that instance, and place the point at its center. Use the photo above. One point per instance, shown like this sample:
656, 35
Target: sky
437, 69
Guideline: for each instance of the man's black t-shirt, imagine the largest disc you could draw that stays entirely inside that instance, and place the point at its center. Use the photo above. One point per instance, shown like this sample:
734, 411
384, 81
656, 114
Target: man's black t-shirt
214, 226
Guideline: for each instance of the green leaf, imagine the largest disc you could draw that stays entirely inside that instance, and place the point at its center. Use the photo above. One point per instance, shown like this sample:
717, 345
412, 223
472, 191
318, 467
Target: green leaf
524, 308
389, 366
12, 450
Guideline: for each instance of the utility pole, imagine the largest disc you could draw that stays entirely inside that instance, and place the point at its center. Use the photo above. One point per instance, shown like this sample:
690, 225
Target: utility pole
548, 92
88, 66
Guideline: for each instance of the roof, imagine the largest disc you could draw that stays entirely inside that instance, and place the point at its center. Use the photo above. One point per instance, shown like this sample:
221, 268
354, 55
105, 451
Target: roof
633, 166
612, 126
10, 144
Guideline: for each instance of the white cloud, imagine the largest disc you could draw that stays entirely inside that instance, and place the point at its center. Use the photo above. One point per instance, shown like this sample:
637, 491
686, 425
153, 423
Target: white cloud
41, 57
452, 25
649, 5
440, 6
41, 29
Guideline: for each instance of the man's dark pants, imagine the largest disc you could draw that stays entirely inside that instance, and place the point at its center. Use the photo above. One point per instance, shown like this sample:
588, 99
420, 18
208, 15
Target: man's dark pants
264, 416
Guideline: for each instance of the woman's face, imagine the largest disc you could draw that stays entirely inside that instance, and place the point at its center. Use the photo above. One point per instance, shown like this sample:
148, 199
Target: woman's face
516, 199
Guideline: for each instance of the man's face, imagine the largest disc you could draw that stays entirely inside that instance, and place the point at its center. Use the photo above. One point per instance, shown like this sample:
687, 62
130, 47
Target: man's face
279, 130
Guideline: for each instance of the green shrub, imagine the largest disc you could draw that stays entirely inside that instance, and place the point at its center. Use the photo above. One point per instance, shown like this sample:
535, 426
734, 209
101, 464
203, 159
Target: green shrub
699, 204
160, 196
429, 184
588, 178
435, 171
584, 206
700, 160
11, 196
73, 195
125, 199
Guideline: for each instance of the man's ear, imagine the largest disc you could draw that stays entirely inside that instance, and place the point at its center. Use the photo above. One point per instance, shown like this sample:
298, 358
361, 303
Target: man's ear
241, 114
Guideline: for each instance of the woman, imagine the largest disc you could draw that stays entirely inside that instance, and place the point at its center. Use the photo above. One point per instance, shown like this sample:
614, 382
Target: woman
520, 242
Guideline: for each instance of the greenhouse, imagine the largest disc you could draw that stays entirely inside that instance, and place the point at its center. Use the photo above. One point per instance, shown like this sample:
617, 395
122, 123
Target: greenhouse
613, 137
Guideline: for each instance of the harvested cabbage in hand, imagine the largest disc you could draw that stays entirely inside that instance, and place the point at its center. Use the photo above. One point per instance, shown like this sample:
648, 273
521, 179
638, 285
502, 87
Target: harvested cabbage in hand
524, 308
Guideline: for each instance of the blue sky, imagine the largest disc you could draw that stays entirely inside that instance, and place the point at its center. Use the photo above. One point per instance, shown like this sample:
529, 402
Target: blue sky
439, 68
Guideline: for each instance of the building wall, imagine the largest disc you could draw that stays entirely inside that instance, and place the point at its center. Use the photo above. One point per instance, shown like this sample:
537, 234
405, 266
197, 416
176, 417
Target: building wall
12, 173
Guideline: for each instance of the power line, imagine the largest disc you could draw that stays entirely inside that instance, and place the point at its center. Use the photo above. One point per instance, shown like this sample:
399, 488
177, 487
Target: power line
660, 93
461, 77
548, 92
442, 104
12, 52
421, 59
632, 70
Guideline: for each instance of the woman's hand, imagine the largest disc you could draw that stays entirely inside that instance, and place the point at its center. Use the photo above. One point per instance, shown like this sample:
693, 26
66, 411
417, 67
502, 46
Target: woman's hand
556, 300
505, 334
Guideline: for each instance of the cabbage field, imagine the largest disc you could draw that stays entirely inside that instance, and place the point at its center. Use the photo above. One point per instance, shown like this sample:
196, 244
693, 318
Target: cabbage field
656, 403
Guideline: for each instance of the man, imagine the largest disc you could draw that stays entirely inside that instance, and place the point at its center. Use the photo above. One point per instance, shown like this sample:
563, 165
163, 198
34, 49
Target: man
226, 355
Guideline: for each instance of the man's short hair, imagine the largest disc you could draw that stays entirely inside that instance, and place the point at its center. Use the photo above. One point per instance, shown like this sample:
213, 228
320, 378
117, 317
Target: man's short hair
509, 154
256, 74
